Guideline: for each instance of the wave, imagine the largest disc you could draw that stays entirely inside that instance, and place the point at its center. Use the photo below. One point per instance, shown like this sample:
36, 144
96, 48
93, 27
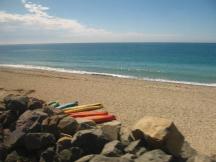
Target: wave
34, 67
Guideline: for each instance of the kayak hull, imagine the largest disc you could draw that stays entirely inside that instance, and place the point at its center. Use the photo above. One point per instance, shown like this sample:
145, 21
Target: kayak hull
67, 105
88, 113
101, 118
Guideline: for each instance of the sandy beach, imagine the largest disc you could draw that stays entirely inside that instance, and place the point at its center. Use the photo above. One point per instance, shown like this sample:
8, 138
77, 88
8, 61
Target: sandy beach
192, 108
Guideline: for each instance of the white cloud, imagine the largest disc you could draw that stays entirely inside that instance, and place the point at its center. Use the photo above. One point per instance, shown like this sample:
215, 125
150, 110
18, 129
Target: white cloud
35, 8
25, 28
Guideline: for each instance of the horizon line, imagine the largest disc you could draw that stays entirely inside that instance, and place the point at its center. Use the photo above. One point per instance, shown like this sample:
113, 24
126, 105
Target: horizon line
101, 43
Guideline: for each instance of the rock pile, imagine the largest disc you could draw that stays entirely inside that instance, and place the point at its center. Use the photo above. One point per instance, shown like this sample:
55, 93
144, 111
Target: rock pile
32, 131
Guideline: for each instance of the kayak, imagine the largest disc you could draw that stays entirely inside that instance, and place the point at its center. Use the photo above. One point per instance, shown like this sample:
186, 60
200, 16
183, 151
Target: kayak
88, 113
54, 104
67, 105
83, 108
101, 118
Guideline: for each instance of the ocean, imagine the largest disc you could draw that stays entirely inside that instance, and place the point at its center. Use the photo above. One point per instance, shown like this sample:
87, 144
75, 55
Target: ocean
189, 63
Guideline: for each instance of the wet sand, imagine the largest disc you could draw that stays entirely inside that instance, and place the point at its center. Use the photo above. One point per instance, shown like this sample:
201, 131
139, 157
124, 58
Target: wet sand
192, 108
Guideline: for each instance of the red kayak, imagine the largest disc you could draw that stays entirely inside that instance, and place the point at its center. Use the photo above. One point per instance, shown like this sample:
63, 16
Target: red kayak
101, 118
88, 113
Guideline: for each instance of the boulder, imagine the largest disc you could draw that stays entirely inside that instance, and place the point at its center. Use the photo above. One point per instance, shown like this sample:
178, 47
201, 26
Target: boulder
68, 155
52, 111
85, 124
200, 158
101, 158
15, 157
35, 103
13, 138
159, 133
111, 130
1, 133
8, 119
3, 152
48, 155
86, 158
50, 124
63, 143
125, 136
129, 156
30, 121
90, 141
36, 141
141, 151
154, 156
2, 106
187, 151
113, 149
16, 104
135, 146
68, 125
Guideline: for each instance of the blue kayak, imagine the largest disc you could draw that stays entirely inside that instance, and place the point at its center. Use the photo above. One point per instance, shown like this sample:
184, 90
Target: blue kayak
70, 104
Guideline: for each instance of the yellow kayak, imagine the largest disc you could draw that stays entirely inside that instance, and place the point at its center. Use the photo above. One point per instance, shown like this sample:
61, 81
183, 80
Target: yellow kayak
84, 108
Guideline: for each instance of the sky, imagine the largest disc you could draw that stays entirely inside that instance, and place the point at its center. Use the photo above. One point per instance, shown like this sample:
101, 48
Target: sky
75, 21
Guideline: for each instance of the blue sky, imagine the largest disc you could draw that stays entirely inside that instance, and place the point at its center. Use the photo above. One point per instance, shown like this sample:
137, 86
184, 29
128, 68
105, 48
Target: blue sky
49, 21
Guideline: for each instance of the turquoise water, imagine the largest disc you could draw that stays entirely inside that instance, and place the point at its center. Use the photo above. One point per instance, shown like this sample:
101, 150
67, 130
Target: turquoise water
175, 62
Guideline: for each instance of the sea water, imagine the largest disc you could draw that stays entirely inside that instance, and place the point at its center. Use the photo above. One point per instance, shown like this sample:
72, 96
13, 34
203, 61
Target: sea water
190, 63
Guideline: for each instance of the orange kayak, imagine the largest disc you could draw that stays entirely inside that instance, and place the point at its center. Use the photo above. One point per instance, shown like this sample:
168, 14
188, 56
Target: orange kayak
100, 118
88, 113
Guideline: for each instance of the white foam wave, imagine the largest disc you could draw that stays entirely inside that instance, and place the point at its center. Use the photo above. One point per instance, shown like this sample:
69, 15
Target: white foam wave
33, 67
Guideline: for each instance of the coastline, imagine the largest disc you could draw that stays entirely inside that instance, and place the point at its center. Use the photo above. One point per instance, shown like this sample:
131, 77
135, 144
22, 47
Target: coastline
62, 70
191, 107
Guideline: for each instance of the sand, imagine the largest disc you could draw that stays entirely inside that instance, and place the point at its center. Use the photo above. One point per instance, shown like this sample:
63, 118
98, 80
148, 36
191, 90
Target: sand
192, 108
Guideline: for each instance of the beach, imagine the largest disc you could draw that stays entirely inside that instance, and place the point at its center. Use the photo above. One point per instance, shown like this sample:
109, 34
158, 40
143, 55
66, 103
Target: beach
192, 108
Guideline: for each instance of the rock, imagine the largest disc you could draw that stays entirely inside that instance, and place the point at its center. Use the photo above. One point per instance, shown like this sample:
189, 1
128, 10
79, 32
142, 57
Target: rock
113, 149
2, 106
1, 133
30, 121
125, 136
154, 156
52, 111
134, 146
111, 130
13, 138
85, 124
141, 151
35, 103
35, 141
3, 152
65, 135
63, 143
200, 158
15, 157
159, 133
48, 155
16, 104
101, 158
68, 155
187, 151
8, 119
93, 138
68, 125
50, 125
129, 156
86, 158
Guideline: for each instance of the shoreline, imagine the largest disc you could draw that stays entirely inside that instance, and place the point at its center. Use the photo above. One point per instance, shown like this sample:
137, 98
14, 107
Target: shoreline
192, 108
70, 71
